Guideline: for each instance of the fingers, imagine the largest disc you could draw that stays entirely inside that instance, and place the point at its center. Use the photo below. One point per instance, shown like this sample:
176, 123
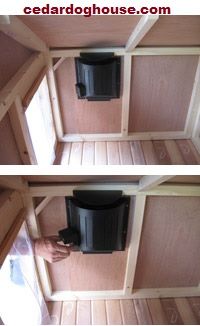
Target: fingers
61, 248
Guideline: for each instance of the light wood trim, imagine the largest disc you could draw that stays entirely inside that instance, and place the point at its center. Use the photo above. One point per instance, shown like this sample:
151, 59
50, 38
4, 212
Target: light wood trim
144, 25
136, 230
42, 205
20, 82
131, 136
194, 107
54, 100
34, 231
7, 243
148, 182
174, 190
71, 53
166, 292
33, 89
4, 19
23, 34
24, 130
126, 94
58, 63
13, 182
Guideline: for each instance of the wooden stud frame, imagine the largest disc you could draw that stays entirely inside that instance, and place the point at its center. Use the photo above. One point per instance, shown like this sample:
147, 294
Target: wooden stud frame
148, 186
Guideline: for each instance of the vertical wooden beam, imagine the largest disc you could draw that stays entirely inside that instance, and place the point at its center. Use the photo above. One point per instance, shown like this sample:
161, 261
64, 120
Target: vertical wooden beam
4, 19
126, 94
134, 242
144, 25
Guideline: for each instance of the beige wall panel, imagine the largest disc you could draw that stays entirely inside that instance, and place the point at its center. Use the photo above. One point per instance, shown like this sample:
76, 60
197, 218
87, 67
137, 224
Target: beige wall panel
82, 116
161, 89
12, 57
80, 272
9, 153
174, 30
78, 31
169, 250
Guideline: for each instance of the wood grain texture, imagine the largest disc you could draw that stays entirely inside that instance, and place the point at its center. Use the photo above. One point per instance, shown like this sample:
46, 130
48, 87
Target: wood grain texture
83, 316
76, 154
174, 30
149, 152
174, 153
98, 310
125, 153
185, 311
88, 153
82, 116
195, 306
80, 272
161, 152
113, 153
137, 152
157, 312
128, 312
187, 153
9, 153
113, 312
142, 312
171, 312
78, 31
167, 83
12, 56
55, 311
69, 313
170, 237
100, 153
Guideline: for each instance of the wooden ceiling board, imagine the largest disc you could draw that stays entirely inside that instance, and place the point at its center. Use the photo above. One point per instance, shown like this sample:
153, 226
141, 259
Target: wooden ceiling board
81, 178
161, 89
78, 31
80, 272
174, 30
169, 253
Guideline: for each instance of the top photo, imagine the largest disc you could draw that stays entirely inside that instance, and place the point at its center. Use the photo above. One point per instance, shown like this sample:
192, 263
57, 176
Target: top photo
99, 90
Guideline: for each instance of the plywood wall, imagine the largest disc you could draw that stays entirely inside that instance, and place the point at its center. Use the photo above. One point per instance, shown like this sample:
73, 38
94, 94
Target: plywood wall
12, 57
80, 272
169, 253
161, 90
81, 116
9, 153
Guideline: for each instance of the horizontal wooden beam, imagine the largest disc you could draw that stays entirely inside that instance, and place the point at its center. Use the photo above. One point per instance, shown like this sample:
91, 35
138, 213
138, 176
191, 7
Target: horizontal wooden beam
22, 34
148, 182
131, 136
13, 182
20, 82
70, 53
145, 23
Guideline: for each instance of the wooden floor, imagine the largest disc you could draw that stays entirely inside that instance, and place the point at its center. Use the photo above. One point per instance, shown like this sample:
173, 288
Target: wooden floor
176, 311
127, 153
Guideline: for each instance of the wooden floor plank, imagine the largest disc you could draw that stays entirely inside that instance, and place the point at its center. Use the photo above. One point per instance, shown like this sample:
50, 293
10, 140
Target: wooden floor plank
83, 315
162, 154
113, 153
171, 312
88, 153
185, 311
137, 152
125, 153
55, 311
174, 152
184, 147
142, 312
59, 153
76, 154
113, 312
195, 306
98, 308
157, 312
128, 312
149, 152
194, 151
68, 313
100, 153
66, 154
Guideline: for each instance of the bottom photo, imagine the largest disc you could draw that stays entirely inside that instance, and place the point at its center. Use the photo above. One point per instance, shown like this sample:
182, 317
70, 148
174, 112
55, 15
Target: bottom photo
121, 249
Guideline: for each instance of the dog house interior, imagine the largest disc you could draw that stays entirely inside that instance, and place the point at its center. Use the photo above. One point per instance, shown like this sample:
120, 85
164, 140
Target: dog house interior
100, 90
152, 279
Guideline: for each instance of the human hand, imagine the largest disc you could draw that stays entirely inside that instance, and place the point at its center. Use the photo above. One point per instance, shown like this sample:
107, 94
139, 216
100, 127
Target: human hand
49, 249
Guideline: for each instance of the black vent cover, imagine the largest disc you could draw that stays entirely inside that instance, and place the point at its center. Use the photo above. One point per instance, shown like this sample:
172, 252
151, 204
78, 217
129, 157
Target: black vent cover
98, 76
97, 220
